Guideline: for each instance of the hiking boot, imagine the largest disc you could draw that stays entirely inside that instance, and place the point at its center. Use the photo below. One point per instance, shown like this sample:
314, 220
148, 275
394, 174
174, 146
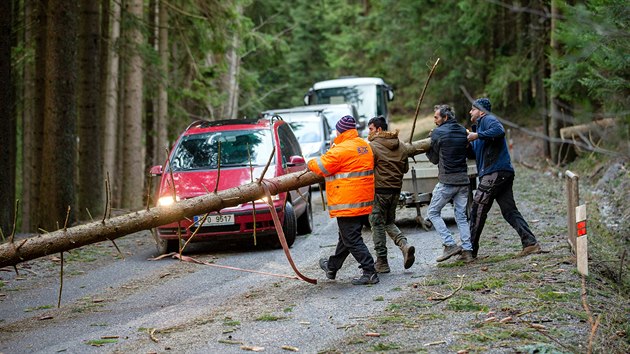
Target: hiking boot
449, 251
408, 255
465, 256
365, 279
323, 264
535, 248
381, 265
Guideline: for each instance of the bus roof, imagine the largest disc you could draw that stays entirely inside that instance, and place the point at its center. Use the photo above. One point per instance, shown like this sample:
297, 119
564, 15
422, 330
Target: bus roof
349, 81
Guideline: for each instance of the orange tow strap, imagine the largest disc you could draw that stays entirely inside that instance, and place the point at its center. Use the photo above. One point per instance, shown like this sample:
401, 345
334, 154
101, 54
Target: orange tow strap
283, 241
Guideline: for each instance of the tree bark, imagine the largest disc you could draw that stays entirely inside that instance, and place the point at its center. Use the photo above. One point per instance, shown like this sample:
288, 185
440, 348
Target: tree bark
150, 94
230, 79
162, 103
34, 136
560, 152
57, 187
29, 143
109, 229
133, 150
110, 105
90, 156
8, 122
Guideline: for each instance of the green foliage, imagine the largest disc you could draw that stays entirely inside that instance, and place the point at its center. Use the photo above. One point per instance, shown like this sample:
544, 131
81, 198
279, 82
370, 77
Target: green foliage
100, 342
43, 307
539, 348
489, 283
464, 303
594, 63
547, 293
383, 347
269, 317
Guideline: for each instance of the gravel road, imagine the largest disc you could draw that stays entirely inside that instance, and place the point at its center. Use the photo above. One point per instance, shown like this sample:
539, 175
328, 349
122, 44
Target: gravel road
497, 304
198, 308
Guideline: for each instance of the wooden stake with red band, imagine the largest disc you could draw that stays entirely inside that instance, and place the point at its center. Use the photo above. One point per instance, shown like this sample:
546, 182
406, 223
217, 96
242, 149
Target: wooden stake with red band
582, 240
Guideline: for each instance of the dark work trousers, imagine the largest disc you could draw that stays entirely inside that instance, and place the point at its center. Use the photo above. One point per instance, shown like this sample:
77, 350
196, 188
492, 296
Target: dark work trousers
497, 186
351, 242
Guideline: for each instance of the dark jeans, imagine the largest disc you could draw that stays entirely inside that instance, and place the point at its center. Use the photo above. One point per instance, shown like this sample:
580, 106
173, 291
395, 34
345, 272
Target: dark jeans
351, 242
497, 186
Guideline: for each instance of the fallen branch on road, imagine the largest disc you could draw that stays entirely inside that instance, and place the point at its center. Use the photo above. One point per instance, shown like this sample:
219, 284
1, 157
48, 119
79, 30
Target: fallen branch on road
442, 298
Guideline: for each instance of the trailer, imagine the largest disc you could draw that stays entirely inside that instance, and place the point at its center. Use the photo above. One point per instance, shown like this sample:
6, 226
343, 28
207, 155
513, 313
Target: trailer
418, 184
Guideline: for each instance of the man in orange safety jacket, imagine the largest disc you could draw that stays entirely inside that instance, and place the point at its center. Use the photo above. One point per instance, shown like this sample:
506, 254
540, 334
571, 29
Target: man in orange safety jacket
348, 168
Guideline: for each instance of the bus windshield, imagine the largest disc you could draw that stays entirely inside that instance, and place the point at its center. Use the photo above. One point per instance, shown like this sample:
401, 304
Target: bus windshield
364, 97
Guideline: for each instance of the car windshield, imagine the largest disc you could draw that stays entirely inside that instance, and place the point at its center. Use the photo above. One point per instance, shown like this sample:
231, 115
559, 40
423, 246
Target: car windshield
307, 126
201, 151
362, 96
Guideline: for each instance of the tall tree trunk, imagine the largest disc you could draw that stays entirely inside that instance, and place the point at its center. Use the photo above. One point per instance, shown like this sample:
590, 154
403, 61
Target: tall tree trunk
110, 104
553, 109
90, 157
162, 103
149, 98
59, 161
539, 56
133, 150
560, 111
35, 135
7, 121
230, 82
29, 156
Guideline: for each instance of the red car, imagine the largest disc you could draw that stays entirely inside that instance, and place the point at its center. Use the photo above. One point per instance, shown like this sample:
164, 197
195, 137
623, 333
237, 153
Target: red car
195, 164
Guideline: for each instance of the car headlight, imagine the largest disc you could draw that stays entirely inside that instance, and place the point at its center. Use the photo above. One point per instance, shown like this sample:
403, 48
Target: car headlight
166, 201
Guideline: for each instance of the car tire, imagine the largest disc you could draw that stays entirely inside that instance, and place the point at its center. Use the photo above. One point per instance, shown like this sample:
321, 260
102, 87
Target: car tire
289, 227
167, 246
305, 221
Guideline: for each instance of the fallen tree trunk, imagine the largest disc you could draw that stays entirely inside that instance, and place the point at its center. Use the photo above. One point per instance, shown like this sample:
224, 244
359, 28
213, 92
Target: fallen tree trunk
12, 253
595, 127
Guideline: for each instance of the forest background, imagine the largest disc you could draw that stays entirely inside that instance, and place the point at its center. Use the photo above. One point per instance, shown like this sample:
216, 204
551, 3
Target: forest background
94, 92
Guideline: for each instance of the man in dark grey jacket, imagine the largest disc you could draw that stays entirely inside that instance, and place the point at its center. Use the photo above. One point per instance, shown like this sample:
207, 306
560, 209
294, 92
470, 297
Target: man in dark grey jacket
448, 151
390, 164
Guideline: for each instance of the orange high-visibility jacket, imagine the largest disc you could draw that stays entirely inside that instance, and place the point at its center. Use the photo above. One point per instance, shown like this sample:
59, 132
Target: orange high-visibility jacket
348, 168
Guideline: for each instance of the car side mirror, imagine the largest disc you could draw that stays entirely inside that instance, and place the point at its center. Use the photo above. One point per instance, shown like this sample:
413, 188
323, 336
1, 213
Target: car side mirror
308, 97
296, 160
156, 171
390, 94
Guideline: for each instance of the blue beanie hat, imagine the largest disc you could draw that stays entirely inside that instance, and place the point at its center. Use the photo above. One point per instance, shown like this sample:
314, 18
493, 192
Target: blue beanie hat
346, 123
483, 104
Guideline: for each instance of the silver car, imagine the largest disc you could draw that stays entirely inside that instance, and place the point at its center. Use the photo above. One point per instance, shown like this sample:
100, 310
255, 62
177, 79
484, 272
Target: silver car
310, 126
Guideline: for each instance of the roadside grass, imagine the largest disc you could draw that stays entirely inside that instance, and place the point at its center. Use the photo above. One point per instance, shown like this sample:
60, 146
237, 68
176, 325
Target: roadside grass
269, 317
533, 304
488, 283
465, 303
37, 308
100, 342
87, 304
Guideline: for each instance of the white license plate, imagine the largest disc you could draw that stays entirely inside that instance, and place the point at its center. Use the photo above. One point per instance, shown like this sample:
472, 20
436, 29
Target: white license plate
216, 219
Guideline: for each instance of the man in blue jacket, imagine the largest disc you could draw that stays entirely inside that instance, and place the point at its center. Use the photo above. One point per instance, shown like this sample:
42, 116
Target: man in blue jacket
448, 151
496, 177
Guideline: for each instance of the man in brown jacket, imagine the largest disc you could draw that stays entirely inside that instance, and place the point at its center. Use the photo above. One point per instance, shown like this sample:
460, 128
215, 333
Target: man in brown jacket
390, 164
